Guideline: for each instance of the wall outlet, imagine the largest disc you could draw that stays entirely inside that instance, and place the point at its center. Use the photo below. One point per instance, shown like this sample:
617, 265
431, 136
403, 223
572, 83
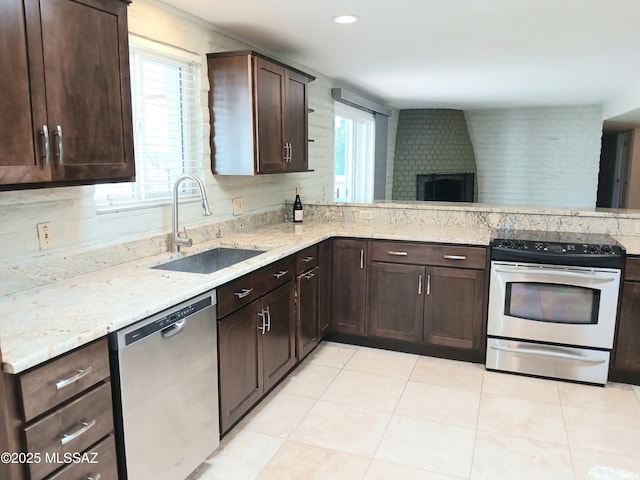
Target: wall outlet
44, 235
238, 208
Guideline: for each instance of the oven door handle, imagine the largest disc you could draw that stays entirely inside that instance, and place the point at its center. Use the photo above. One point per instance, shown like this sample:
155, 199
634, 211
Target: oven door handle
547, 353
592, 275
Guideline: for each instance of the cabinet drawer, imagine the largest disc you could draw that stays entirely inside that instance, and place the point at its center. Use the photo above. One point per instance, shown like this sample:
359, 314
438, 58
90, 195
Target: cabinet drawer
306, 259
46, 386
244, 290
72, 428
429, 254
632, 271
99, 461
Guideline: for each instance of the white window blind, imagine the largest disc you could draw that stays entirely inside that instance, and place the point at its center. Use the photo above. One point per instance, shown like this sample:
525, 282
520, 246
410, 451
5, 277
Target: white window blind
167, 127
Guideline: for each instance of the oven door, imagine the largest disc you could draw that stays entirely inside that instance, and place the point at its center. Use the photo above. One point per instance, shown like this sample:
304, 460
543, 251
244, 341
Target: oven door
555, 304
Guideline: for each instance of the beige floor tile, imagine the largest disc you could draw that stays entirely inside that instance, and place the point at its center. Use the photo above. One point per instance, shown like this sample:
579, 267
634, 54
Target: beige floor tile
603, 431
522, 418
309, 380
241, 456
432, 446
298, 461
342, 427
382, 362
504, 457
527, 388
365, 390
331, 354
584, 459
440, 404
616, 398
448, 373
380, 470
278, 414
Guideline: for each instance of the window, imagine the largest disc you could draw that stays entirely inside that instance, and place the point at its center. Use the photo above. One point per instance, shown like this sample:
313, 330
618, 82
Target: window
354, 154
167, 127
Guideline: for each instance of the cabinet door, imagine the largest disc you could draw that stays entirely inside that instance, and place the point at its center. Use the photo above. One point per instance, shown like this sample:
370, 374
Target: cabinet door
627, 356
279, 338
270, 101
296, 119
349, 283
454, 308
307, 312
325, 253
396, 301
87, 83
22, 101
240, 363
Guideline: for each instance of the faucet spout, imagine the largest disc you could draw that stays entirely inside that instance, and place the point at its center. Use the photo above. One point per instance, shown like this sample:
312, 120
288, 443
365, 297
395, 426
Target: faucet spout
176, 240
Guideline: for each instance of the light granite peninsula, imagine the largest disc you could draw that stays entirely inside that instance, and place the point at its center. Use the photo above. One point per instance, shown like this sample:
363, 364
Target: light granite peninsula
55, 303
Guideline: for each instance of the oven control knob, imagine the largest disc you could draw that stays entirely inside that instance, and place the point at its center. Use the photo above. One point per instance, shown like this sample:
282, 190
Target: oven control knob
592, 248
605, 248
520, 244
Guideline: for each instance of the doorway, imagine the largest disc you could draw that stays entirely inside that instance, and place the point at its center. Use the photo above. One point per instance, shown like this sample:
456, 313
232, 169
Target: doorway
615, 161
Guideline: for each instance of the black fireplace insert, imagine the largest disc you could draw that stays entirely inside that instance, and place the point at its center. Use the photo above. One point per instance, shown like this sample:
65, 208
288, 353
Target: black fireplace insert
446, 187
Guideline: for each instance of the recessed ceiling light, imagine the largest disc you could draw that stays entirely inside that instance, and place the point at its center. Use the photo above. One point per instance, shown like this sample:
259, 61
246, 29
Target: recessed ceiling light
346, 18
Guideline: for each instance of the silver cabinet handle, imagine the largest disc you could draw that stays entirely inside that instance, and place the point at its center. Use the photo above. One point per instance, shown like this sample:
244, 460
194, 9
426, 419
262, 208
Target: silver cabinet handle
361, 259
60, 144
307, 259
309, 276
428, 284
263, 327
60, 384
397, 253
96, 477
420, 284
47, 145
68, 437
281, 273
268, 319
455, 257
244, 292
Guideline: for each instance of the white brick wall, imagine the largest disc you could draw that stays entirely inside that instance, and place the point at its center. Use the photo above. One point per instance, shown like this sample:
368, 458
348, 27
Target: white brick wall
537, 156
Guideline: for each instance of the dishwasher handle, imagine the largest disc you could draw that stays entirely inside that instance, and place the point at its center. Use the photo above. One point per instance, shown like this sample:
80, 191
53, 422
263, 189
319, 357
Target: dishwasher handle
174, 329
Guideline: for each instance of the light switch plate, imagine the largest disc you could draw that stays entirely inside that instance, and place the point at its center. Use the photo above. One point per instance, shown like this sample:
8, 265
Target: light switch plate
238, 208
44, 235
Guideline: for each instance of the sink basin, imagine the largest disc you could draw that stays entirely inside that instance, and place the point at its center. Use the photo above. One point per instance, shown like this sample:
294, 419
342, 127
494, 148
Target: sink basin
209, 261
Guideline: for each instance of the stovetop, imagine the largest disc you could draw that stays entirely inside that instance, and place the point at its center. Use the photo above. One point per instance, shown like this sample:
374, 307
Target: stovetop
560, 248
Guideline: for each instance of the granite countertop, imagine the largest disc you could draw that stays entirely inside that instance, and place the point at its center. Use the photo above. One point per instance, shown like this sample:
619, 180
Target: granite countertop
53, 318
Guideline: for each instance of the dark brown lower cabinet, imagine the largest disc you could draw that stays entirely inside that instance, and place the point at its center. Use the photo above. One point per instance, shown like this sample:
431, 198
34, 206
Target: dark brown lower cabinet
454, 311
626, 360
256, 349
349, 284
325, 260
396, 301
308, 288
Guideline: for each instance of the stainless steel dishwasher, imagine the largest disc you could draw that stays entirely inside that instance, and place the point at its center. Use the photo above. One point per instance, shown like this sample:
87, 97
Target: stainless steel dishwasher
165, 377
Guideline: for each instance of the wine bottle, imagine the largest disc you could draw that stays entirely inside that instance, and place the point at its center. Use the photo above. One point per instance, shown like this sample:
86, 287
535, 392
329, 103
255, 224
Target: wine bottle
297, 207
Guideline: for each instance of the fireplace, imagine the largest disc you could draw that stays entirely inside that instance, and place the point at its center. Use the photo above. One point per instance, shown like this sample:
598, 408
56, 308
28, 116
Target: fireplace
446, 187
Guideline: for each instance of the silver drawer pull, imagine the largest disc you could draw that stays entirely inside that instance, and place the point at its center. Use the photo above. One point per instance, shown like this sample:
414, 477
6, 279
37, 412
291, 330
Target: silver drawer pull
281, 273
309, 276
307, 259
455, 257
60, 384
68, 437
47, 145
397, 253
96, 477
60, 144
244, 292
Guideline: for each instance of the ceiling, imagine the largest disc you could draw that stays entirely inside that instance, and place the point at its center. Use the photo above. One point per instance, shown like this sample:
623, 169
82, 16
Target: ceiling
463, 54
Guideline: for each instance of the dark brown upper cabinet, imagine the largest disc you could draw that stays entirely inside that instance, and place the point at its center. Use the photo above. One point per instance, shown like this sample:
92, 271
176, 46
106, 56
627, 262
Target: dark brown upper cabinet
259, 118
65, 93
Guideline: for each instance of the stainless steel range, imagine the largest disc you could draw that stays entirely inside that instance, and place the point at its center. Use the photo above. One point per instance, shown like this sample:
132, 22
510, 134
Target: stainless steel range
553, 299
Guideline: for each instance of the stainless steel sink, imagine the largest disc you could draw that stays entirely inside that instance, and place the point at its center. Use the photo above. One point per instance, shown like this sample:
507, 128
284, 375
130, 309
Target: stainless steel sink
209, 261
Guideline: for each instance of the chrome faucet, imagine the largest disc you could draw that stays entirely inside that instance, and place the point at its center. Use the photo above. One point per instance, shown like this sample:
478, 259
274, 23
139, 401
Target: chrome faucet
176, 240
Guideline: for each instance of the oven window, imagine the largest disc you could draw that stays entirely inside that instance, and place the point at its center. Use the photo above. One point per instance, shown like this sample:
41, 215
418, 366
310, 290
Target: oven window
550, 302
